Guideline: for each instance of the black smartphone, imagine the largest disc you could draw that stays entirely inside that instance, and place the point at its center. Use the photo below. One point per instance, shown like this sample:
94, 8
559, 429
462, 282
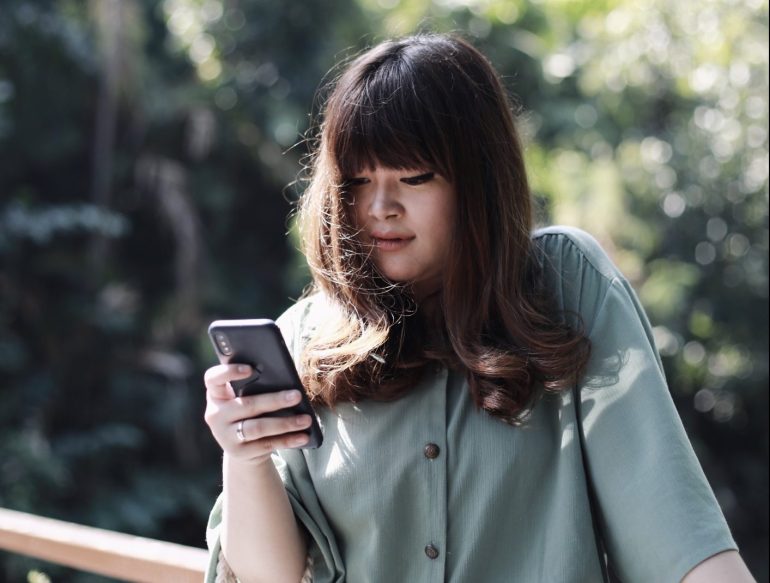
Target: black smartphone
259, 344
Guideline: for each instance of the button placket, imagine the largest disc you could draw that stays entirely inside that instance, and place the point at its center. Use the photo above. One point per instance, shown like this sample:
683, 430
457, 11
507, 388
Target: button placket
434, 456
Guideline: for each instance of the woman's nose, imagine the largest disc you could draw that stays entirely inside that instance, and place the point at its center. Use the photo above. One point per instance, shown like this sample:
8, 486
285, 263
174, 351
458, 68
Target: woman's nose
384, 203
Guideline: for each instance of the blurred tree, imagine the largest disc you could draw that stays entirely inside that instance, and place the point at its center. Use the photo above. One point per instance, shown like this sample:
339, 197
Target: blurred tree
143, 150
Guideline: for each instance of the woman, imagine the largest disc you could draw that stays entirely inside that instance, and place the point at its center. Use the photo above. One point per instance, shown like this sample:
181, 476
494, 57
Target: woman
493, 406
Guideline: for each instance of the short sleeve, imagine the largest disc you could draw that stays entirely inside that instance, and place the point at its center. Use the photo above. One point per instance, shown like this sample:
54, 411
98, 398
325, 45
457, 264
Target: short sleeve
323, 549
216, 567
658, 513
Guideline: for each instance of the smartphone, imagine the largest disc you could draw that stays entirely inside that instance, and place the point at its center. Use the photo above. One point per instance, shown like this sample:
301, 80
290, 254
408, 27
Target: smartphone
259, 344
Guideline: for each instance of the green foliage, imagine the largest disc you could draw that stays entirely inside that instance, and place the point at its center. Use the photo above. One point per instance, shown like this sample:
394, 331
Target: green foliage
142, 197
667, 288
145, 150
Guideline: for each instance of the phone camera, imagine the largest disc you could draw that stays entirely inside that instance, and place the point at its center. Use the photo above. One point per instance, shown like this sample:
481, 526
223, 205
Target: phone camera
224, 345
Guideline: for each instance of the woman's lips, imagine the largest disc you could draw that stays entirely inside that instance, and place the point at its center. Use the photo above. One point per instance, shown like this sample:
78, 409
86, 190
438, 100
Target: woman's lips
391, 243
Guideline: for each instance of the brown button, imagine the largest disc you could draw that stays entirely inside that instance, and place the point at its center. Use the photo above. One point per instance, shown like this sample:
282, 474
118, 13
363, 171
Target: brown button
431, 451
431, 552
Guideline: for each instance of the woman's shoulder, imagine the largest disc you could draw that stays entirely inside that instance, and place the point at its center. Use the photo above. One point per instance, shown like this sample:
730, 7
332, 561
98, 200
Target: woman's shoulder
296, 313
570, 250
576, 270
304, 316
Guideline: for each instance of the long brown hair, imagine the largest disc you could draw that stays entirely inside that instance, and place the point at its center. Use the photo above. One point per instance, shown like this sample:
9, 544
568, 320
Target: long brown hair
431, 101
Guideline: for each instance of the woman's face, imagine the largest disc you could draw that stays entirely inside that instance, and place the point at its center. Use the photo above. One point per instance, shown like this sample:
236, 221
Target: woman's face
406, 218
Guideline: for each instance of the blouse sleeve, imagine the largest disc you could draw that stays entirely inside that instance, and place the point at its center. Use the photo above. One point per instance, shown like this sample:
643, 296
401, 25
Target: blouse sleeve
323, 550
658, 513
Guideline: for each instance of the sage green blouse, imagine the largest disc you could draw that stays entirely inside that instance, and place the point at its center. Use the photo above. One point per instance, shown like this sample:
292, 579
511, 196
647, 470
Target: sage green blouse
428, 489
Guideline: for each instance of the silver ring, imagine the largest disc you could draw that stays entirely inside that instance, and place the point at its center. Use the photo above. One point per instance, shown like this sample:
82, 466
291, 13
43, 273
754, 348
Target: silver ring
239, 431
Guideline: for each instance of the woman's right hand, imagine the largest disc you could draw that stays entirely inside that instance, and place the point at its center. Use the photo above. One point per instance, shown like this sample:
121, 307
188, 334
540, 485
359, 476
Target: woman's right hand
261, 435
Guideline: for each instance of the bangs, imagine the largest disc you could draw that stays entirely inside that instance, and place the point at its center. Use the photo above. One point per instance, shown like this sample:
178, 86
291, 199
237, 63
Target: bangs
388, 119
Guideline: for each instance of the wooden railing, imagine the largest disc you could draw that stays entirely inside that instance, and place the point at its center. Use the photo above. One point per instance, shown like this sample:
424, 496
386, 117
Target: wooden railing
113, 554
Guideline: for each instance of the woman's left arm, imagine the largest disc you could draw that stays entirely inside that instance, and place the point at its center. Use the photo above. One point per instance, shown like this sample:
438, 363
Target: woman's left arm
726, 566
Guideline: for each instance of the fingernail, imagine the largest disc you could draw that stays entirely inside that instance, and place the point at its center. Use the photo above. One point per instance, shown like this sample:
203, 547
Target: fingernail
302, 440
291, 395
303, 420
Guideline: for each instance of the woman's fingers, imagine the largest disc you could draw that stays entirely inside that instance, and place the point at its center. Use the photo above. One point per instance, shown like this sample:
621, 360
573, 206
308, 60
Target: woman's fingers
217, 379
243, 428
260, 449
256, 438
276, 430
242, 425
256, 405
231, 410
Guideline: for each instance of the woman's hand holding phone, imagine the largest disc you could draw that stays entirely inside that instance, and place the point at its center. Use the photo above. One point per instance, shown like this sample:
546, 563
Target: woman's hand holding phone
238, 424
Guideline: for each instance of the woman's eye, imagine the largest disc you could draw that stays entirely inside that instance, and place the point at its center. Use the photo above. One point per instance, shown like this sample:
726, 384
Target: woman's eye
353, 182
420, 179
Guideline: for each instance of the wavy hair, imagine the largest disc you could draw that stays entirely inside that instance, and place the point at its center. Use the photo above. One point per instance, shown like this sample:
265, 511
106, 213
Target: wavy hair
431, 101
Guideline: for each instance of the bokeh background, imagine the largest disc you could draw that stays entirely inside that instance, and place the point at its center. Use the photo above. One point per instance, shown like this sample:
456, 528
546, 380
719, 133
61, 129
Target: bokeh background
148, 151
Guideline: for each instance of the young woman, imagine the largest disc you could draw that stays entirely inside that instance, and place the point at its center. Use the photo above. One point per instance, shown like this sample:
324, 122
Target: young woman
492, 403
